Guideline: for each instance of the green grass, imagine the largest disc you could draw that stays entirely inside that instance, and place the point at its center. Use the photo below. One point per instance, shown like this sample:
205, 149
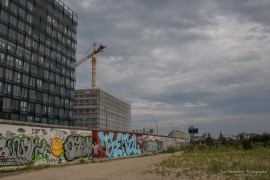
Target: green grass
217, 162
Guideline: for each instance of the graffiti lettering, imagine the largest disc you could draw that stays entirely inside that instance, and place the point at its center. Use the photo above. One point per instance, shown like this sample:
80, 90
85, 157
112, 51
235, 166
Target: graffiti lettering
77, 146
118, 144
19, 151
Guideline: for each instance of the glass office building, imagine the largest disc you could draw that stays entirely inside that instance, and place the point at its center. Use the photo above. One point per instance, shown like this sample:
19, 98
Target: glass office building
37, 61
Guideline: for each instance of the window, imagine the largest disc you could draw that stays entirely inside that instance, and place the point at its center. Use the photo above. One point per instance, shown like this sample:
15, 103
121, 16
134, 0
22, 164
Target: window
35, 45
1, 87
39, 83
18, 64
17, 77
24, 106
29, 17
3, 29
17, 91
46, 74
9, 74
7, 103
20, 51
3, 43
8, 89
26, 67
31, 107
2, 58
1, 73
28, 29
11, 47
32, 94
45, 98
41, 49
27, 42
38, 109
10, 61
33, 82
25, 79
4, 15
41, 60
52, 87
34, 69
35, 57
13, 7
27, 54
13, 20
22, 12
16, 105
20, 38
21, 25
12, 34
30, 5
45, 110
24, 93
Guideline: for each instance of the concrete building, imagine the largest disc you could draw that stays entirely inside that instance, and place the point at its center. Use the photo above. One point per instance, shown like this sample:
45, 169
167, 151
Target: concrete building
95, 108
37, 57
144, 131
178, 134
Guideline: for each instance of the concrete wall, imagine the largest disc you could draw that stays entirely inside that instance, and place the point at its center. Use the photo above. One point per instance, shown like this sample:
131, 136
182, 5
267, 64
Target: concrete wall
22, 145
111, 144
39, 144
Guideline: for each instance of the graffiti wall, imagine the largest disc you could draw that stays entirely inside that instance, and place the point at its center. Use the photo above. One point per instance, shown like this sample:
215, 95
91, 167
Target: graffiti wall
108, 144
22, 145
115, 144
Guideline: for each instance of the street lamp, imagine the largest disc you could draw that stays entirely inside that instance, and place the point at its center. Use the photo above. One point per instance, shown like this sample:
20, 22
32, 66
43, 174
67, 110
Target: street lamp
154, 120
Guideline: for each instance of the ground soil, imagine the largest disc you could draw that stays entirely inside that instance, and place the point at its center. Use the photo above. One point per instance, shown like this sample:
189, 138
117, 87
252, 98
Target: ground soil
119, 169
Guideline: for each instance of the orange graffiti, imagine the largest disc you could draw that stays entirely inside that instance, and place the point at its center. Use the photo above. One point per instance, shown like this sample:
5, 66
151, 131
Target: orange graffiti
56, 147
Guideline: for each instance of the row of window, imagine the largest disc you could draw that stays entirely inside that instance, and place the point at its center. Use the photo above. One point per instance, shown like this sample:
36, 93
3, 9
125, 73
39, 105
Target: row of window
44, 67
49, 50
24, 106
33, 95
36, 119
34, 82
29, 30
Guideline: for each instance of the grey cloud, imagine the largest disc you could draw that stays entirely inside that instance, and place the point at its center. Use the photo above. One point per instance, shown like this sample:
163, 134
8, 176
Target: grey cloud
203, 61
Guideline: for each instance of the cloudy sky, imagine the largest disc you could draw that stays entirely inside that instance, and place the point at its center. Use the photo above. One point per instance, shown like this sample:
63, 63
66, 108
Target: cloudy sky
202, 62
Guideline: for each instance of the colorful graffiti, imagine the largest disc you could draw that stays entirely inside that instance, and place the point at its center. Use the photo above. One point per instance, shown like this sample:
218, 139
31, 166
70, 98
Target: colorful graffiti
20, 151
77, 146
56, 147
115, 144
34, 145
22, 145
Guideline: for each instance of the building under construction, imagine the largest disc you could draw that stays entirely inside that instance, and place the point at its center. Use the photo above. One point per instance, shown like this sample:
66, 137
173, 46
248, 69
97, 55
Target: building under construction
97, 109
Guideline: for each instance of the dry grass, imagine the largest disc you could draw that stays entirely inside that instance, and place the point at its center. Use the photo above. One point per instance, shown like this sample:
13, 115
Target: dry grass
217, 163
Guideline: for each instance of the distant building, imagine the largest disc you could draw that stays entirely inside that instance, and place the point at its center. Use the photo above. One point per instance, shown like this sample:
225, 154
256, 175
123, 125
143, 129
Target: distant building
144, 131
95, 108
178, 134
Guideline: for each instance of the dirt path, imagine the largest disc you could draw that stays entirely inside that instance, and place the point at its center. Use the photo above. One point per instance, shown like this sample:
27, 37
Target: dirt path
130, 168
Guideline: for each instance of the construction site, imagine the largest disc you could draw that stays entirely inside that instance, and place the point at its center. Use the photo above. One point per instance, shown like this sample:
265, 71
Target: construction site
96, 109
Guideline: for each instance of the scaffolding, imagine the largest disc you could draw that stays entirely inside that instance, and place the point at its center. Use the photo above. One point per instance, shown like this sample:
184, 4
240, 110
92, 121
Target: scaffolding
97, 109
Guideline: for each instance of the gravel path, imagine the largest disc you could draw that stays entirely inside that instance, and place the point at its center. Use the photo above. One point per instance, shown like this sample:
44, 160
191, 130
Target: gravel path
125, 169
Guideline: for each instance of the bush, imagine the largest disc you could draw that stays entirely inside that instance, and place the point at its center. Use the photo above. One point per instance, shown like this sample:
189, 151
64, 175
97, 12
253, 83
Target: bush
172, 149
247, 144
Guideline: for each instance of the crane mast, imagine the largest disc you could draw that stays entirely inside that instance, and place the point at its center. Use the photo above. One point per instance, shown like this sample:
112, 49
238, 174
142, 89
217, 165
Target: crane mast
94, 61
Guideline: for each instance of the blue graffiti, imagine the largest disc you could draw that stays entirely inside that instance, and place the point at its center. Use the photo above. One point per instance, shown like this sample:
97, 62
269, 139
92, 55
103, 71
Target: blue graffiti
122, 145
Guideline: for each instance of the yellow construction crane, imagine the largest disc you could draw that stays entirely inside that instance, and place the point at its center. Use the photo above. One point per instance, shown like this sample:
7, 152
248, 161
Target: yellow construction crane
94, 61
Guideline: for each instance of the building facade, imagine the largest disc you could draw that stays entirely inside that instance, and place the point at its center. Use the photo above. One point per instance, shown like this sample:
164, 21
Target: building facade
37, 61
178, 134
144, 131
95, 108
